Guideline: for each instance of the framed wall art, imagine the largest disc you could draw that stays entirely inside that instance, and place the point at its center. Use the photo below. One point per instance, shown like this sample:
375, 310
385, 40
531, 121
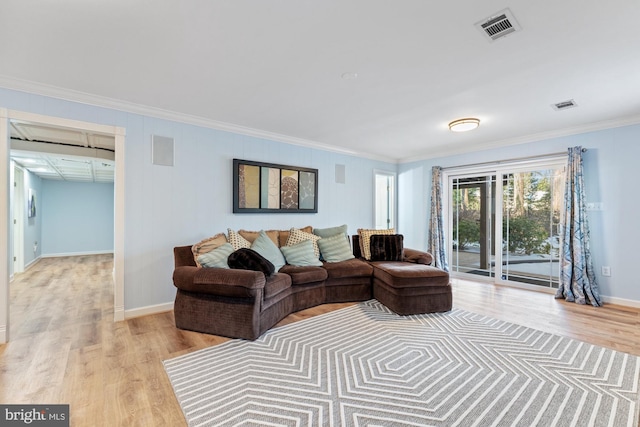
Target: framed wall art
31, 203
271, 188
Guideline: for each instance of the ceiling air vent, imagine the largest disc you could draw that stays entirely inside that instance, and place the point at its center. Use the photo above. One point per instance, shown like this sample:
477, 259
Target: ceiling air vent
564, 105
499, 25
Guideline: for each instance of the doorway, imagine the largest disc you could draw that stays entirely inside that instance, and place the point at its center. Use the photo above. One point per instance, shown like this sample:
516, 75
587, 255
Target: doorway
384, 200
6, 245
18, 220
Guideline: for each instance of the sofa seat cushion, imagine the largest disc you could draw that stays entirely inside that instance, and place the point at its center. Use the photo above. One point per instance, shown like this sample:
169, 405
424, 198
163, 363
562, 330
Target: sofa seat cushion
304, 275
349, 268
408, 275
275, 284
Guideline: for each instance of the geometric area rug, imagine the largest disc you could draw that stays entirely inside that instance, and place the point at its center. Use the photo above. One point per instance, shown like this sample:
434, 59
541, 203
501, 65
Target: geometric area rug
366, 366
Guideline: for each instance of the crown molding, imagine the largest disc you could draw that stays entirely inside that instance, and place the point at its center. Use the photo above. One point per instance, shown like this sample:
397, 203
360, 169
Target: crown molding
130, 107
574, 130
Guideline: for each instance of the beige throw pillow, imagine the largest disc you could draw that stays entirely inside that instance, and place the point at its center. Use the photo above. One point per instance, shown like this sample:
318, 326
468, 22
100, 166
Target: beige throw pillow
297, 236
237, 241
284, 235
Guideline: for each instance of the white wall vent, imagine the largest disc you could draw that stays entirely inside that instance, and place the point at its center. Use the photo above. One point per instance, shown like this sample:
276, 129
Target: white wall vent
499, 25
564, 105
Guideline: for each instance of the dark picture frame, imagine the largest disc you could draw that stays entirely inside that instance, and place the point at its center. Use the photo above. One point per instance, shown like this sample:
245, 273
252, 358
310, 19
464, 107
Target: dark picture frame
272, 188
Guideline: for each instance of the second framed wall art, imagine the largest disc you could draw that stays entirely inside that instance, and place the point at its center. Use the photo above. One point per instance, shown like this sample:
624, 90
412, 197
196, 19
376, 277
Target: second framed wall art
271, 188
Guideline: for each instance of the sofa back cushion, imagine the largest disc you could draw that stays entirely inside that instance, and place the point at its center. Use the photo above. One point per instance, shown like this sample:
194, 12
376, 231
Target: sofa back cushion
251, 236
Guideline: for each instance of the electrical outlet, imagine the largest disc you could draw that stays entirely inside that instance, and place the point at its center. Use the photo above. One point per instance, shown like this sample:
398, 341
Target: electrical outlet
594, 206
606, 271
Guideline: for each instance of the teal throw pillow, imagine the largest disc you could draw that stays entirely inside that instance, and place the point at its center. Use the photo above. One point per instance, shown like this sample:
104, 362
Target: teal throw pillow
265, 247
335, 248
216, 258
301, 254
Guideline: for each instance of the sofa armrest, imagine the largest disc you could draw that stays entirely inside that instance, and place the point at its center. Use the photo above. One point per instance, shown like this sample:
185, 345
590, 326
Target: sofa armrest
182, 255
417, 257
219, 281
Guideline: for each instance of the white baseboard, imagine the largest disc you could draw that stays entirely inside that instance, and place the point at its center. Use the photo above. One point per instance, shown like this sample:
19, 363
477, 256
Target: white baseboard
76, 254
31, 264
489, 280
621, 301
3, 334
150, 309
118, 314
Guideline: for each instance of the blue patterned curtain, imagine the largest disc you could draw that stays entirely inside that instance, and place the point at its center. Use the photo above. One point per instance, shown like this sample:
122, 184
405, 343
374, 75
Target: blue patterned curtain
436, 230
577, 278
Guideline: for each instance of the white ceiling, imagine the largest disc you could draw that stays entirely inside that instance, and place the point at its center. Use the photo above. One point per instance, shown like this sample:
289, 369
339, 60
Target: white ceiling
61, 153
275, 67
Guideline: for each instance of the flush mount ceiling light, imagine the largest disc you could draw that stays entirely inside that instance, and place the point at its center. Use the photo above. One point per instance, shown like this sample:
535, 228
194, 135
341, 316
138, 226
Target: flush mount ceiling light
464, 125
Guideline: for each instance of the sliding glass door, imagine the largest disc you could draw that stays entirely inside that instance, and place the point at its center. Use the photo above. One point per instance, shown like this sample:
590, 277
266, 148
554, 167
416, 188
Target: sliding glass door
531, 208
504, 223
473, 221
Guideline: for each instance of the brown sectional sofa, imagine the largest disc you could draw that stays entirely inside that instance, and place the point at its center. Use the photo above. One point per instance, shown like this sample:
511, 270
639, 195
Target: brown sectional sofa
245, 304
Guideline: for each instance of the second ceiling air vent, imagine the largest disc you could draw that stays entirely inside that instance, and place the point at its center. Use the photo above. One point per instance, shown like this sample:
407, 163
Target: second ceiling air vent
499, 25
564, 105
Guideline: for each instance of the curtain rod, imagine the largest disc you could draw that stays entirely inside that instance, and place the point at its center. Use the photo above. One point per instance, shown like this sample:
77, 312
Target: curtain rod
498, 162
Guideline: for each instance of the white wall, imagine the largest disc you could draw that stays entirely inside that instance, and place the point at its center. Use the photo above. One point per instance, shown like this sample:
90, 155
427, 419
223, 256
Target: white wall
180, 205
609, 165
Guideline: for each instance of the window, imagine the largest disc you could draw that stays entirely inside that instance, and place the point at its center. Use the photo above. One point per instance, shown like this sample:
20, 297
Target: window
385, 200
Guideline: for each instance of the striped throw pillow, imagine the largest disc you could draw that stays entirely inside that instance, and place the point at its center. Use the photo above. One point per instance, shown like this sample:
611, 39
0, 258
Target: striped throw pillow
216, 258
301, 254
335, 248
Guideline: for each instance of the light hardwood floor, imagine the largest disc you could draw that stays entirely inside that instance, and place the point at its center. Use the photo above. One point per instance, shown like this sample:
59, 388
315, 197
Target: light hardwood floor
65, 347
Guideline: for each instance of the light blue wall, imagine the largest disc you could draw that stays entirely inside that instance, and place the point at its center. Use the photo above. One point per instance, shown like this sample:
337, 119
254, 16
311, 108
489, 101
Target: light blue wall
180, 205
609, 165
77, 217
